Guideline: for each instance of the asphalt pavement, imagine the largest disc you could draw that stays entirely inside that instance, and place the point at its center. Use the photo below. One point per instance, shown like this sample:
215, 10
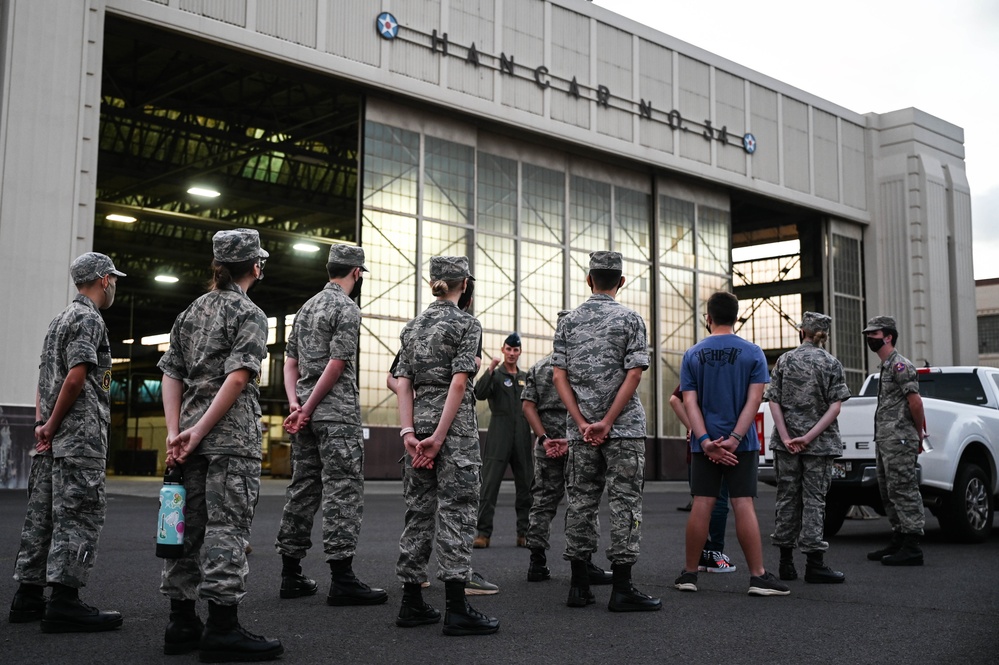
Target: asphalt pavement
944, 612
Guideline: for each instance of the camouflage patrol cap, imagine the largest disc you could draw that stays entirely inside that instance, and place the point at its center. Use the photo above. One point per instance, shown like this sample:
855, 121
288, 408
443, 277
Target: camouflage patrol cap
881, 323
92, 265
815, 322
237, 245
449, 268
605, 261
347, 255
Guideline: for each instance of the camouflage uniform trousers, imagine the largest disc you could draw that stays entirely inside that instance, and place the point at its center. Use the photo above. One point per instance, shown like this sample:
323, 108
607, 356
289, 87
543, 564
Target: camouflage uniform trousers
441, 502
222, 492
547, 491
66, 507
327, 469
802, 484
620, 465
896, 463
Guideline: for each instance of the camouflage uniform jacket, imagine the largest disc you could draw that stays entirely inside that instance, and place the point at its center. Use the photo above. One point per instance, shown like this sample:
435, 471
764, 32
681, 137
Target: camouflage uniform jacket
219, 333
78, 335
439, 343
540, 390
596, 344
327, 328
893, 420
804, 382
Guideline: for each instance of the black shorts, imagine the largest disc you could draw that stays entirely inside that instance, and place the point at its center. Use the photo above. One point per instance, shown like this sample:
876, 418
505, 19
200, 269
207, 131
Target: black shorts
706, 476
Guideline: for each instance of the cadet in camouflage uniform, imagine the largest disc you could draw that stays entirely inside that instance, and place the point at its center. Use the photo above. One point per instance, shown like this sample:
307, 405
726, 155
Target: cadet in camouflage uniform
327, 447
211, 403
806, 391
599, 354
437, 359
898, 435
66, 503
547, 416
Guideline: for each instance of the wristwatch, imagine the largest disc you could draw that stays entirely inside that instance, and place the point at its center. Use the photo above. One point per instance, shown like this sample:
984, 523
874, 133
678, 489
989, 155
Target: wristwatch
737, 437
542, 438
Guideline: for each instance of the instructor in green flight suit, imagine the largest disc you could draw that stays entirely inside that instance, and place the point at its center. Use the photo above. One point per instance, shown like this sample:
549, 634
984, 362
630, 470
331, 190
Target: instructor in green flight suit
508, 442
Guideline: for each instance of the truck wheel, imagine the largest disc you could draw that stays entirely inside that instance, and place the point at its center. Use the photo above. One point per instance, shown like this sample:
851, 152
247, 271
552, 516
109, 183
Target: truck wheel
968, 511
835, 515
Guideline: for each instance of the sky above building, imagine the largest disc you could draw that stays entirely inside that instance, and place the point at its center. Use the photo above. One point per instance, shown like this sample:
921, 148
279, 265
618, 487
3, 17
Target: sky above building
868, 56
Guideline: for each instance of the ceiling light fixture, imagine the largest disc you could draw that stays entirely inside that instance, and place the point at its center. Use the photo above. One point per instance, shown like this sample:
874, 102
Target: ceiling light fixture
155, 340
166, 279
203, 191
115, 217
306, 247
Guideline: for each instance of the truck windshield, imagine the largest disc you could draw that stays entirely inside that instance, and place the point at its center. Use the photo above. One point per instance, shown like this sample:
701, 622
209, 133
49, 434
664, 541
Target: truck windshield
964, 387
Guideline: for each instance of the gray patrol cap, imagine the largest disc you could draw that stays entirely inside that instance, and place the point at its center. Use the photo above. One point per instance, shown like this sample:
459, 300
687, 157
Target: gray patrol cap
92, 265
347, 255
815, 322
237, 245
449, 268
881, 323
605, 261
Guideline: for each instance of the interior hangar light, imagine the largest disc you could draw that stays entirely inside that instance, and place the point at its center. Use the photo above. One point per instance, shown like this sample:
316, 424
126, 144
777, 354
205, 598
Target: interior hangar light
125, 219
203, 191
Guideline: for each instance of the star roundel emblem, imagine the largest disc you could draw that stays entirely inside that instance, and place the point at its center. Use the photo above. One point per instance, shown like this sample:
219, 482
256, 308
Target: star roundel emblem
749, 143
387, 26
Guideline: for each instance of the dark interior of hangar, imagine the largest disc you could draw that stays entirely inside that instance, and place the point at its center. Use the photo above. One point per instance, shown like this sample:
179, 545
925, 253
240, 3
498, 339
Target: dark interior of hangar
279, 145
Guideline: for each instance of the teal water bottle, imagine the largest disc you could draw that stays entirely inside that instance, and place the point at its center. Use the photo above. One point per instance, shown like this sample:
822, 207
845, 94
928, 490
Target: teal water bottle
170, 523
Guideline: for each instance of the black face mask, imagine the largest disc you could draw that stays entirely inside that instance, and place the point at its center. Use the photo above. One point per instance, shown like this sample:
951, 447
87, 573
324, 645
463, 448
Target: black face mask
356, 290
875, 344
466, 298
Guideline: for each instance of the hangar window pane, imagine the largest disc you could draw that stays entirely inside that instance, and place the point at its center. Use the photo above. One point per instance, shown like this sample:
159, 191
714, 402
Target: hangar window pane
677, 312
632, 218
540, 289
846, 264
390, 252
636, 294
495, 273
497, 194
988, 334
543, 204
442, 240
579, 267
589, 214
381, 342
669, 371
391, 168
714, 243
450, 181
676, 232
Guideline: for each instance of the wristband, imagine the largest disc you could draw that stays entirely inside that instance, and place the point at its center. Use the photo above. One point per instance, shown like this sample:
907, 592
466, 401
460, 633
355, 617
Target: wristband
406, 430
702, 438
737, 437
39, 423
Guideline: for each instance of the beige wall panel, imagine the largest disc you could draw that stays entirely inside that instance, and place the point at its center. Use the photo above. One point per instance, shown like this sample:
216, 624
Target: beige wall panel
524, 39
730, 112
892, 286
656, 86
939, 342
348, 32
826, 155
763, 125
695, 105
470, 22
416, 61
571, 57
229, 11
616, 71
963, 303
291, 20
854, 165
795, 142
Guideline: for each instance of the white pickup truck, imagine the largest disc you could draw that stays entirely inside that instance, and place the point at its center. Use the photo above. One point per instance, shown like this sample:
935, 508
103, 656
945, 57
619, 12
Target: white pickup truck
957, 467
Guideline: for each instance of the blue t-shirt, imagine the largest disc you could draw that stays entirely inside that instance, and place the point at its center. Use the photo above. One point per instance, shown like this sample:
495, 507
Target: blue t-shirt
720, 368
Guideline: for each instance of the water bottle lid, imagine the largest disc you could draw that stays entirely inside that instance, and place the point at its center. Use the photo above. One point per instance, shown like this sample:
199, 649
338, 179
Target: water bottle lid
174, 475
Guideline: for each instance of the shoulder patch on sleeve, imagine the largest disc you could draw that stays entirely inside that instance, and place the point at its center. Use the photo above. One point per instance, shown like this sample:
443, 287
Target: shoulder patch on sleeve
899, 367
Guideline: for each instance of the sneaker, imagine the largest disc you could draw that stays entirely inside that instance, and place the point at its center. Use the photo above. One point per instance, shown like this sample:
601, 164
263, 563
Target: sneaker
715, 562
478, 586
767, 585
687, 581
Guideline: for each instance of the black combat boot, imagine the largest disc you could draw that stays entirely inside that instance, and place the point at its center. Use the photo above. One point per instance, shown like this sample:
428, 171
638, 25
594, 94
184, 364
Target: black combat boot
908, 553
460, 618
66, 613
183, 633
415, 611
28, 604
786, 568
817, 572
597, 575
891, 548
293, 583
625, 597
538, 570
224, 640
346, 589
579, 585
